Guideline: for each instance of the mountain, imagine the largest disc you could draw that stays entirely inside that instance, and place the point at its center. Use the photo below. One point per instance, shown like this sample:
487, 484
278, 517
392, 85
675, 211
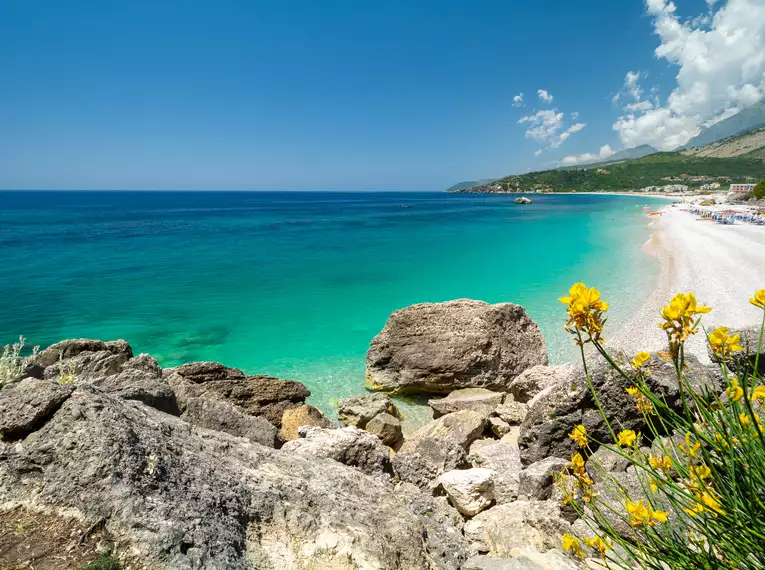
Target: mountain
622, 155
749, 143
745, 120
464, 185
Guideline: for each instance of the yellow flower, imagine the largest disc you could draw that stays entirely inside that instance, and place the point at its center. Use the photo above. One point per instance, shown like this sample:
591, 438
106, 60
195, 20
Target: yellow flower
663, 463
599, 544
585, 310
627, 437
759, 299
679, 317
640, 359
578, 463
735, 392
711, 503
642, 513
758, 393
571, 544
701, 472
722, 343
642, 402
579, 435
688, 449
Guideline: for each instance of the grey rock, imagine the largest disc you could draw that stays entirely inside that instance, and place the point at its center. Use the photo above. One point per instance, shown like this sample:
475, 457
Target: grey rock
86, 366
478, 400
605, 460
421, 461
499, 427
511, 412
387, 428
356, 411
260, 395
523, 200
223, 416
26, 405
535, 379
75, 347
483, 562
750, 338
349, 445
505, 460
441, 347
504, 528
463, 428
469, 490
537, 479
303, 415
555, 411
174, 495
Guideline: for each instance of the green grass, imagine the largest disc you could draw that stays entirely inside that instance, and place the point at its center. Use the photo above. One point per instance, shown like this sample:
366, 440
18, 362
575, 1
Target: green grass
104, 562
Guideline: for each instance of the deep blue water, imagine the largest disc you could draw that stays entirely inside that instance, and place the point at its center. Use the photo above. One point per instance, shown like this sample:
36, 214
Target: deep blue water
297, 284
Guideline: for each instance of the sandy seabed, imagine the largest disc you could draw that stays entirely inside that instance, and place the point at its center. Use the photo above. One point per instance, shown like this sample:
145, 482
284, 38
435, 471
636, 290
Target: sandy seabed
722, 264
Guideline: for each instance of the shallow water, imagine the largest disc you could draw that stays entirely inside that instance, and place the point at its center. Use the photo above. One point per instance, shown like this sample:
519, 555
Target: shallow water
297, 284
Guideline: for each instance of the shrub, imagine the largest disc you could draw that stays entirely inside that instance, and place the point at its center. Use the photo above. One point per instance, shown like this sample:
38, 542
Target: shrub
759, 190
12, 361
104, 562
700, 502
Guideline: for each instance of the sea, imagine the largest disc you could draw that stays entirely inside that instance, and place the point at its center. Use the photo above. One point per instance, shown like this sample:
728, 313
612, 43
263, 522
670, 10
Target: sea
296, 284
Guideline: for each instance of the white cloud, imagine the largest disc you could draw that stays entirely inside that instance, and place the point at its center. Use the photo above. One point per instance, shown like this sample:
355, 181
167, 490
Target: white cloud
544, 96
721, 69
518, 100
605, 152
547, 127
538, 152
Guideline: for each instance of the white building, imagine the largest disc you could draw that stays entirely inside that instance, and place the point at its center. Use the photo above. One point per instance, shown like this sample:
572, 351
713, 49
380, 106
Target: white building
675, 188
741, 187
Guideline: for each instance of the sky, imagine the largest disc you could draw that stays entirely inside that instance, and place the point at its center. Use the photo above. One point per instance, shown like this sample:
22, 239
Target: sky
349, 95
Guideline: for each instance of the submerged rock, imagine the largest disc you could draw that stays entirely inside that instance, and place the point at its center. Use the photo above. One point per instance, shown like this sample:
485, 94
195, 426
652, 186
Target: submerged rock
174, 495
441, 347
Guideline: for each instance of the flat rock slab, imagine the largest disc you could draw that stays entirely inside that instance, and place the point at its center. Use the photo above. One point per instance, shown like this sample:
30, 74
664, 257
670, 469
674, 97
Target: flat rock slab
478, 400
463, 428
441, 347
25, 405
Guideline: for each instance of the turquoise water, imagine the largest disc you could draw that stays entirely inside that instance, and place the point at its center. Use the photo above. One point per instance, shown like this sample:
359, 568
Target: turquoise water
297, 284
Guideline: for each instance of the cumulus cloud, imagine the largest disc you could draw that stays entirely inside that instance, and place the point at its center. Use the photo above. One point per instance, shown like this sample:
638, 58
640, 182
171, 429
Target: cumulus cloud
518, 100
721, 69
538, 152
605, 152
544, 96
548, 127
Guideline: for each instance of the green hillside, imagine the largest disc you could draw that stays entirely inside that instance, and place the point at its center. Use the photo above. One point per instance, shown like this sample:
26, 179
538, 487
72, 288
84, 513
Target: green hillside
633, 175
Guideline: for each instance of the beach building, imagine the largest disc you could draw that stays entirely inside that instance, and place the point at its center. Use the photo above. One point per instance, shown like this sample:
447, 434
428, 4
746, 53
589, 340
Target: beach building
674, 188
741, 187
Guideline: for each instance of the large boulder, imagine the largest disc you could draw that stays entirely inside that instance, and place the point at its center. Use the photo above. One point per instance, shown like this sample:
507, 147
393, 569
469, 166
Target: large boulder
555, 411
535, 482
533, 380
476, 399
260, 395
173, 495
441, 347
469, 490
421, 461
348, 445
463, 428
356, 411
223, 416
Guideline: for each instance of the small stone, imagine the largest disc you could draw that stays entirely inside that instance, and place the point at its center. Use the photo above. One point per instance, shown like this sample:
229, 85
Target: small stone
512, 412
499, 427
476, 399
469, 490
303, 415
537, 479
387, 428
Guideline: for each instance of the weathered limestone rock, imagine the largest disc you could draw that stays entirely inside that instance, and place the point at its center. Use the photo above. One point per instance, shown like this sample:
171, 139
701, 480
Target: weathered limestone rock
469, 490
25, 405
303, 415
463, 428
537, 479
356, 411
441, 347
253, 395
421, 461
140, 378
535, 379
223, 416
174, 495
499, 427
558, 408
505, 460
527, 560
348, 445
75, 347
606, 460
511, 412
476, 399
502, 529
387, 428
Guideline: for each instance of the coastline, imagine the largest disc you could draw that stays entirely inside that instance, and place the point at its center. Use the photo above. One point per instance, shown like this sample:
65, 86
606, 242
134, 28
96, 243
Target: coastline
722, 264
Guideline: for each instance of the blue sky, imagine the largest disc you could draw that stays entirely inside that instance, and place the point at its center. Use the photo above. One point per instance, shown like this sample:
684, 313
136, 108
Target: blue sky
346, 95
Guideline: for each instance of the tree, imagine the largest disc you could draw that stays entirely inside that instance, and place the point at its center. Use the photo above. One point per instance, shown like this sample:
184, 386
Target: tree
759, 190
